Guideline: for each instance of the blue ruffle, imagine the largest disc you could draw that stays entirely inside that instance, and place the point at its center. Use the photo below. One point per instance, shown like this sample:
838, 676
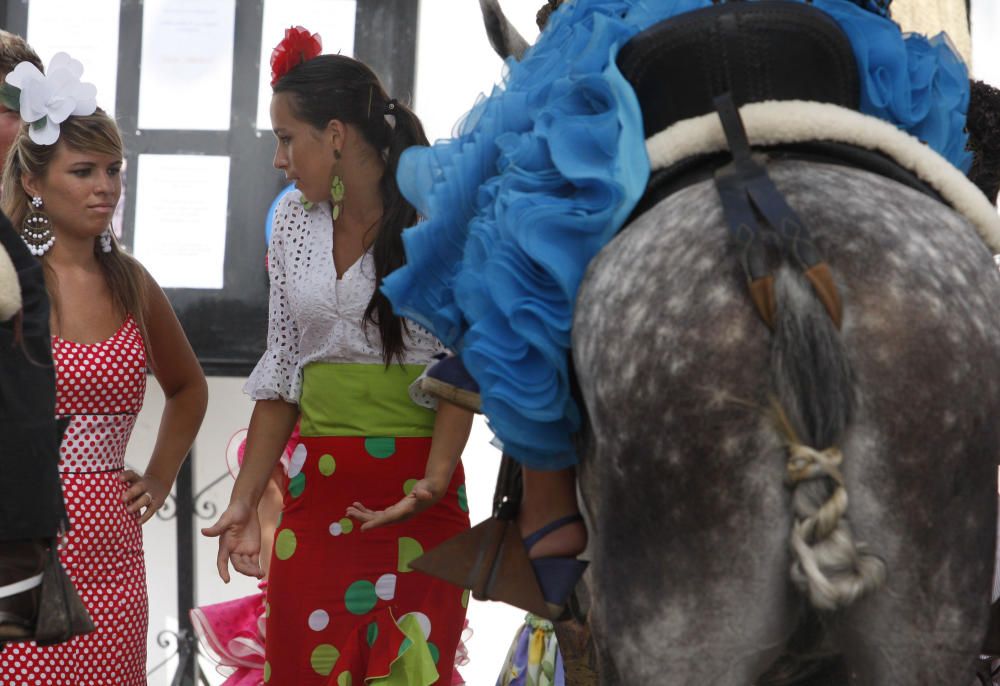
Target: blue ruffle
544, 172
919, 84
880, 7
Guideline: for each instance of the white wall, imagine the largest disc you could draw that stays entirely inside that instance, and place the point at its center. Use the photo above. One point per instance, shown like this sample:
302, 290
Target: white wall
455, 62
985, 19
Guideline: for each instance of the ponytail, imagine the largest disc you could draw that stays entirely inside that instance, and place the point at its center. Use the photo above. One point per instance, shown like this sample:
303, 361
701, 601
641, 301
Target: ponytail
397, 215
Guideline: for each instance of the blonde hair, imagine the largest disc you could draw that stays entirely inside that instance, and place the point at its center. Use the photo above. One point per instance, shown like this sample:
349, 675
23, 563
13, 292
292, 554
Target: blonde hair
97, 133
13, 51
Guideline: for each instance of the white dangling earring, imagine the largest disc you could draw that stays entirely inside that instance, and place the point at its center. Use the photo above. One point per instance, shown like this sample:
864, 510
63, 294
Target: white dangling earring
106, 240
36, 229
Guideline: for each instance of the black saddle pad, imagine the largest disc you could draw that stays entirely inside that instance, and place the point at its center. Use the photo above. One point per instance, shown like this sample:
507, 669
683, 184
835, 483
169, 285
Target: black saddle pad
756, 51
692, 170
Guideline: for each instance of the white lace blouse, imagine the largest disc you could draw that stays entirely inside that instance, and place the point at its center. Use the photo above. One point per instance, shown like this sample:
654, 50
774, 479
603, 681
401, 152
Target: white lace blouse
312, 315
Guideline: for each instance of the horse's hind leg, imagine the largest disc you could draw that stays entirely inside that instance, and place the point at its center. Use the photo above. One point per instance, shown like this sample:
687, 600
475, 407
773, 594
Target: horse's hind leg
921, 472
703, 599
927, 624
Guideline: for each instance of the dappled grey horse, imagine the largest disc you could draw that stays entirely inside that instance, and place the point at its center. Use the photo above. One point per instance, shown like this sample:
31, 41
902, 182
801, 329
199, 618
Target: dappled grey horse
720, 450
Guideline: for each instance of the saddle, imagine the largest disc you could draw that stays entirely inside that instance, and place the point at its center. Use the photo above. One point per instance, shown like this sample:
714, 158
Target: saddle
721, 58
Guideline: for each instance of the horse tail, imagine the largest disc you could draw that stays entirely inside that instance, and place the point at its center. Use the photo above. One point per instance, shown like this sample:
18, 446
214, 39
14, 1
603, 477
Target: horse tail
815, 399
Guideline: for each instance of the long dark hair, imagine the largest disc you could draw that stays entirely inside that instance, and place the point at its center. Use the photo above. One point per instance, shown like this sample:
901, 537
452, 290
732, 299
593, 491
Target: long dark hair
337, 87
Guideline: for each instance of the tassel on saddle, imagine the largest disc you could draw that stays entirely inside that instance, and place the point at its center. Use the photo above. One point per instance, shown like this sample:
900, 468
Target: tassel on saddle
748, 196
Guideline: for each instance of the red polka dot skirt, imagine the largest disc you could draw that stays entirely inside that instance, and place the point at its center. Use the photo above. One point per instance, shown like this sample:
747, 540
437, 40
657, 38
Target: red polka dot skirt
100, 387
344, 607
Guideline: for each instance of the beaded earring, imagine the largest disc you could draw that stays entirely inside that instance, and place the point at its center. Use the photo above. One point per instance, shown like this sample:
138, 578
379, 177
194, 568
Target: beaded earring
336, 195
36, 229
336, 191
106, 240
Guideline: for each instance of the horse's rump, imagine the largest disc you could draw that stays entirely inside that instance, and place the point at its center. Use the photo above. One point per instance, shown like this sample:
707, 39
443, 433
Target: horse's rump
686, 470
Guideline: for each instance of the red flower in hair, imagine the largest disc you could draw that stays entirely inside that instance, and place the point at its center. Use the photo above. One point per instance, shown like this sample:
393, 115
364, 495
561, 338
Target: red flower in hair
296, 47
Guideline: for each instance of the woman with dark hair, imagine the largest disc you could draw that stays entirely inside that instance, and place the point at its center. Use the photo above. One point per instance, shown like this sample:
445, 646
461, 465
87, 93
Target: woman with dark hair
344, 605
110, 322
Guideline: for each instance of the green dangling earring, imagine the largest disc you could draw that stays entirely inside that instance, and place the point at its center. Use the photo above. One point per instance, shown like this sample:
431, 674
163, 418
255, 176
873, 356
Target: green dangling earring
336, 190
336, 195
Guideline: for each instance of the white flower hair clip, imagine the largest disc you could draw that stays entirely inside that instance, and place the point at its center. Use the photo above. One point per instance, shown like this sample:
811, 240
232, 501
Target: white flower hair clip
46, 100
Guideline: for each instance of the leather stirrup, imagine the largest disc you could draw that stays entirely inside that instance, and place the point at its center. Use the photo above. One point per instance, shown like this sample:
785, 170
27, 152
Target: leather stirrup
490, 559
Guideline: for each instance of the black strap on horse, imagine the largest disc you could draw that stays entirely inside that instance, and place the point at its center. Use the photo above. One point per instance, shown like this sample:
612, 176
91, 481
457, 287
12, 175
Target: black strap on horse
509, 489
748, 195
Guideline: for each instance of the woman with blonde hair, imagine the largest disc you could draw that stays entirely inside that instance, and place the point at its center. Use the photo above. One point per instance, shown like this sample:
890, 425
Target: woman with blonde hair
110, 321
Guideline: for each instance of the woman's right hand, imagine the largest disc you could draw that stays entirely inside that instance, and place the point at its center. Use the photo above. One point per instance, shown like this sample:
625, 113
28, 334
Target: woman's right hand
238, 530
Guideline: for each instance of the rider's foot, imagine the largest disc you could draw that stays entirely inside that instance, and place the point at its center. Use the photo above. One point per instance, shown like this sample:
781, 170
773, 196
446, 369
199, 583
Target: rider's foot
556, 569
568, 540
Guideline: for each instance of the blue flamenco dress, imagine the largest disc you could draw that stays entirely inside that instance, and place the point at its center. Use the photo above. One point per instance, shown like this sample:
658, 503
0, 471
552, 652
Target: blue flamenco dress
545, 171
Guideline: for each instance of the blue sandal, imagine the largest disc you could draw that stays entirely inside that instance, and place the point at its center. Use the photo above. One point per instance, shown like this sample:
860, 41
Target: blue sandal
557, 576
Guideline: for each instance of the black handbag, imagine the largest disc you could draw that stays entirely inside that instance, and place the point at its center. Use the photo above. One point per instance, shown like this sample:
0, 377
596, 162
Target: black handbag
61, 614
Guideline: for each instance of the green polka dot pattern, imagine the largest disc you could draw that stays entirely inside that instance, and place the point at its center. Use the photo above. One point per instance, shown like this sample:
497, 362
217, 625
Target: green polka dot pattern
360, 597
284, 544
327, 465
323, 658
403, 646
409, 550
380, 448
297, 485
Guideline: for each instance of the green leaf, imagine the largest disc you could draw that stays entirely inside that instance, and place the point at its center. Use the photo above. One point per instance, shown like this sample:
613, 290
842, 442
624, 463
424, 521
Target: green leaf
10, 96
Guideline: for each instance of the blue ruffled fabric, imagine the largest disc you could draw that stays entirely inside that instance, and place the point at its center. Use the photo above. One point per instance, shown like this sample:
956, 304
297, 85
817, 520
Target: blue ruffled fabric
880, 7
544, 172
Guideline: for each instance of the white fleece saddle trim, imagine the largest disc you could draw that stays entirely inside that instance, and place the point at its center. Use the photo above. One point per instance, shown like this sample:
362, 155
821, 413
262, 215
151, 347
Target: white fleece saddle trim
796, 121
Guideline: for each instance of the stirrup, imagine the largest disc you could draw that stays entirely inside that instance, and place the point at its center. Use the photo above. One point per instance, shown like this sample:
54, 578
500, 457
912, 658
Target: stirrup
492, 561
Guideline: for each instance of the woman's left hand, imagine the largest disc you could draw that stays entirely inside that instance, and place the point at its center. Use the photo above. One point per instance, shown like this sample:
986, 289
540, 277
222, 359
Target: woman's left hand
423, 494
144, 492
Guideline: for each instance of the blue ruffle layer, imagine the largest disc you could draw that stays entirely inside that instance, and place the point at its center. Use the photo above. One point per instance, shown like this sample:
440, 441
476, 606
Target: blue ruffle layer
544, 172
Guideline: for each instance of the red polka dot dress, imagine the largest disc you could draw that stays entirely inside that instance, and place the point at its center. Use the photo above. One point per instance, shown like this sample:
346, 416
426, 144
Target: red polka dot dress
100, 387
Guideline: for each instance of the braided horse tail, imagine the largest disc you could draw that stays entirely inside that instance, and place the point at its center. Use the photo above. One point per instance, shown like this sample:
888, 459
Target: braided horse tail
815, 399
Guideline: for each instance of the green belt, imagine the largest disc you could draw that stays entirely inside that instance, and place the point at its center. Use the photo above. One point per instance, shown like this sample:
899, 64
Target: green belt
362, 400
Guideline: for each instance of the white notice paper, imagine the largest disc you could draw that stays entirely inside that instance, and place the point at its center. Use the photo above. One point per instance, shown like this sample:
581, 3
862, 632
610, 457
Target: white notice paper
985, 50
180, 219
186, 80
88, 31
333, 20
